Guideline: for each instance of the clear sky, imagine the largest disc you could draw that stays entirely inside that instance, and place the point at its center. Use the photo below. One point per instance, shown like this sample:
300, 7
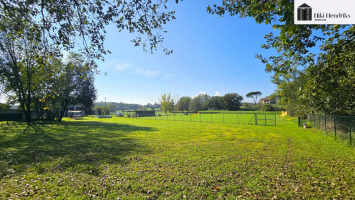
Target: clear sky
212, 55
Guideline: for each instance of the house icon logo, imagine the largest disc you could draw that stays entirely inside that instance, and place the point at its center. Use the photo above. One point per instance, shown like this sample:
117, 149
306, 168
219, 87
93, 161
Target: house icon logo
304, 13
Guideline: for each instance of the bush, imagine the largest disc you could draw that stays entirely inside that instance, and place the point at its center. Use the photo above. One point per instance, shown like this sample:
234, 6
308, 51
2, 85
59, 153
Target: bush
267, 107
291, 109
102, 110
276, 108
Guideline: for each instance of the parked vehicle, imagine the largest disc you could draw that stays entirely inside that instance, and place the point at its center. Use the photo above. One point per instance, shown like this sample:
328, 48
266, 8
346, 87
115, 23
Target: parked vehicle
118, 114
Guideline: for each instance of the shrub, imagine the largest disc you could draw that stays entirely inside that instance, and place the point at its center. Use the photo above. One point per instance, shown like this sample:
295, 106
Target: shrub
267, 107
291, 109
276, 108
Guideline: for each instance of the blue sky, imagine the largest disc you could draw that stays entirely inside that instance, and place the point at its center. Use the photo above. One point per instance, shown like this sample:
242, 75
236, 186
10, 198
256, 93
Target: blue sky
212, 55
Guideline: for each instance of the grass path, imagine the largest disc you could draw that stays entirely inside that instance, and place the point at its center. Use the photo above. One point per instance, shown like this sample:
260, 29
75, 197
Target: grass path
138, 158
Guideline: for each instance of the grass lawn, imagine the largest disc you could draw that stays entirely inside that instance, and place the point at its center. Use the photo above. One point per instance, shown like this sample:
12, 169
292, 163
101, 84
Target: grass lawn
146, 158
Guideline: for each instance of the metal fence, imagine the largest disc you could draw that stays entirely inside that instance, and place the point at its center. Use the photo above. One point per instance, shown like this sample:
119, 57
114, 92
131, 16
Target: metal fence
341, 126
254, 119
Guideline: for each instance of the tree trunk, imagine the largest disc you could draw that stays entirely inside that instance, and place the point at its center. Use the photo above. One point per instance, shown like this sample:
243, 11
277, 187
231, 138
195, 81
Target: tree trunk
64, 107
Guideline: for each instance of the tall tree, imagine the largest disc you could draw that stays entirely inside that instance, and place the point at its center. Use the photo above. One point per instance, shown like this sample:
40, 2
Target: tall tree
23, 67
231, 101
183, 104
69, 83
88, 93
254, 95
165, 101
294, 44
197, 102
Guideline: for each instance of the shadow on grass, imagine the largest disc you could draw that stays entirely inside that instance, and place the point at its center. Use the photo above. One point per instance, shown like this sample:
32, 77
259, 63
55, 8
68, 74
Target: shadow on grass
71, 146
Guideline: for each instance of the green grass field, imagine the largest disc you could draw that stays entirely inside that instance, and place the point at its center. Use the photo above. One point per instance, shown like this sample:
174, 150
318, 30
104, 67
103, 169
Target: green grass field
125, 158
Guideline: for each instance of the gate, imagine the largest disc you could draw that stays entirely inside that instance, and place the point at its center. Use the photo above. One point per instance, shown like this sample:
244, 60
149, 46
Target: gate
263, 119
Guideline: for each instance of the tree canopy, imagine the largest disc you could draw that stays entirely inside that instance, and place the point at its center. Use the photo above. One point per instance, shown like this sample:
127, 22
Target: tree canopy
165, 102
183, 104
254, 95
327, 86
80, 24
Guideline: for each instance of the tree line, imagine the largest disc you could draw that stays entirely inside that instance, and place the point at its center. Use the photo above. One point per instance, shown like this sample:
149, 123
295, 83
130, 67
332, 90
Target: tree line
46, 87
230, 101
34, 33
113, 106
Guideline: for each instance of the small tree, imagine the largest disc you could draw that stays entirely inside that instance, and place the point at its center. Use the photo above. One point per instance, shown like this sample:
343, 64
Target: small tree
183, 103
112, 107
165, 101
105, 110
254, 95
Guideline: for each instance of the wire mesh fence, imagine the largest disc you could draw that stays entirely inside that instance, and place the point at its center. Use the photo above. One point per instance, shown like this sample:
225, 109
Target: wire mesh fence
235, 118
341, 126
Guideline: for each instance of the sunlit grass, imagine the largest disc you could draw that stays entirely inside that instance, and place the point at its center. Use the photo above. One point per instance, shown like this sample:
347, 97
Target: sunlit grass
148, 158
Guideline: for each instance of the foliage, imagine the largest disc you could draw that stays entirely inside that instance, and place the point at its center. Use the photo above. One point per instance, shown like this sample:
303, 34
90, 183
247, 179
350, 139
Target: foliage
231, 101
69, 83
112, 107
102, 110
254, 95
88, 92
165, 102
330, 90
25, 72
329, 73
122, 106
247, 105
214, 103
81, 25
196, 103
289, 89
4, 106
183, 104
267, 107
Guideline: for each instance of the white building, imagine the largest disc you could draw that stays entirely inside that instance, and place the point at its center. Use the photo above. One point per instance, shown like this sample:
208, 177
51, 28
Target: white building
75, 107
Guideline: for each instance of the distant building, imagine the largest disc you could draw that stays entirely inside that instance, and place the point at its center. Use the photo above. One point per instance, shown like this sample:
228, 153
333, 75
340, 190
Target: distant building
267, 100
77, 107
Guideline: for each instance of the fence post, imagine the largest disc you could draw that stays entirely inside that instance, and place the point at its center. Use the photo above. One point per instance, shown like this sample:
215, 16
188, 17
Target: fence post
211, 118
299, 121
174, 118
223, 118
265, 119
167, 117
200, 117
238, 118
275, 119
335, 126
255, 119
318, 121
325, 123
